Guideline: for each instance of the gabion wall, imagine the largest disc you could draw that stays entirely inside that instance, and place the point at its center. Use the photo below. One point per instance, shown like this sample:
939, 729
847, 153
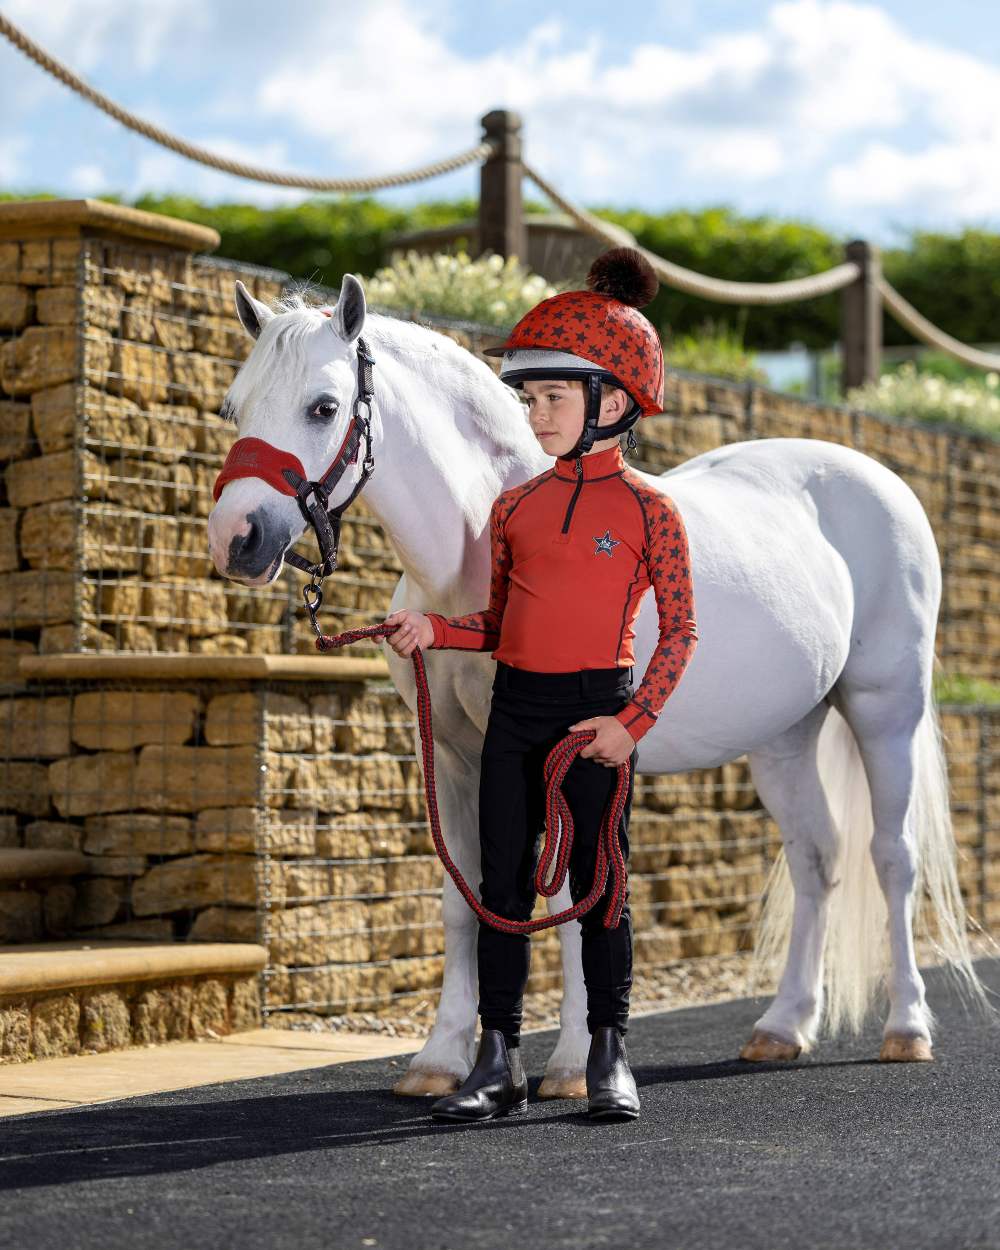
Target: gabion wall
292, 812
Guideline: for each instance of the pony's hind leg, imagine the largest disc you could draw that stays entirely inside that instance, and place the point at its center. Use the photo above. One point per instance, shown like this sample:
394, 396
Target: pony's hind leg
887, 726
786, 775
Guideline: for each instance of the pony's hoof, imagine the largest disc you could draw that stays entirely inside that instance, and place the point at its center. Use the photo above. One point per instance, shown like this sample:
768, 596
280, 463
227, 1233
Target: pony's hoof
897, 1049
765, 1047
564, 1085
417, 1084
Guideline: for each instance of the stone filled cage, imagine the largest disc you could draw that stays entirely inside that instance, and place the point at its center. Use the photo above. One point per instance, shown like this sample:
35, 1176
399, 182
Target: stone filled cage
210, 801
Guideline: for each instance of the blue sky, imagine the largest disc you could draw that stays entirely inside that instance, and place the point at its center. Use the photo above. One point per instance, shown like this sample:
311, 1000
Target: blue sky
869, 118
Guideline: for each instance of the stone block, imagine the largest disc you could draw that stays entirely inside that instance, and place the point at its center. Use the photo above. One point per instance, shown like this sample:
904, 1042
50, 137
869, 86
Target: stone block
288, 723
234, 719
244, 1004
336, 988
9, 836
334, 932
42, 479
183, 779
162, 1013
209, 1009
35, 597
11, 650
42, 356
55, 1026
117, 720
142, 373
171, 431
116, 865
97, 901
15, 1032
58, 903
346, 837
224, 924
20, 916
158, 930
53, 417
314, 883
10, 556
290, 832
196, 881
200, 609
24, 788
16, 306
87, 785
15, 430
226, 829
34, 728
364, 727
406, 927
113, 422
105, 1020
40, 262
198, 379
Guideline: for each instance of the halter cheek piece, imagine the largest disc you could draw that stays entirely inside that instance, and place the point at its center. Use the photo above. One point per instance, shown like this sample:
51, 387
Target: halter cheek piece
253, 457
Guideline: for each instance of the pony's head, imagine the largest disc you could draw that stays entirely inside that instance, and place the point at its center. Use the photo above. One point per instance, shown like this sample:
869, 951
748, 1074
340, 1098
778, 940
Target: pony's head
295, 393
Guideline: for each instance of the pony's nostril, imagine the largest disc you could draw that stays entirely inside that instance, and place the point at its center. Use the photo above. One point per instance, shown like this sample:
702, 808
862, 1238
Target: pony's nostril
253, 552
252, 539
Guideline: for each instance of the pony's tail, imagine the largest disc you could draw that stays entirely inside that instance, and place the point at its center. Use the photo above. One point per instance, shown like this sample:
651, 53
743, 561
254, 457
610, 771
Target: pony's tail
856, 955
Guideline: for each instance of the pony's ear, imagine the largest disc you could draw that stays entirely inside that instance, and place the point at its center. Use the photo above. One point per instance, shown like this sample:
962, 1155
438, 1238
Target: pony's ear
252, 313
348, 318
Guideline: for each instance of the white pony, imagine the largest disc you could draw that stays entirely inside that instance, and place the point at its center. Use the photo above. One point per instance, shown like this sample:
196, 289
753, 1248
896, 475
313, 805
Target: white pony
817, 584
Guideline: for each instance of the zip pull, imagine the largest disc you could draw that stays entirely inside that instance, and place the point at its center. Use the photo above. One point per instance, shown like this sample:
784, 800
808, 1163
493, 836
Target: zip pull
579, 466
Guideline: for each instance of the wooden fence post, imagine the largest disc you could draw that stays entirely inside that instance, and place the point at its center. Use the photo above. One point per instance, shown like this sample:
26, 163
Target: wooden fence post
861, 319
501, 219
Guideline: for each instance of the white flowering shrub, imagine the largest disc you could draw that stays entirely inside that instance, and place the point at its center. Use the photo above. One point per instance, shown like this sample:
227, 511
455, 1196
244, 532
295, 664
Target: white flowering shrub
490, 290
974, 402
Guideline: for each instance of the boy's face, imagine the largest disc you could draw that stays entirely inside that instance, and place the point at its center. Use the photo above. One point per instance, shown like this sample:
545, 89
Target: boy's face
556, 410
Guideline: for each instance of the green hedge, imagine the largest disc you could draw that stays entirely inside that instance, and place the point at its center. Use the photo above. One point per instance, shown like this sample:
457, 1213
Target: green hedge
952, 279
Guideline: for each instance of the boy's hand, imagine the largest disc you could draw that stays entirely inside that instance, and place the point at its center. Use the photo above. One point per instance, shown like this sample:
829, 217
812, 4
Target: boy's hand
415, 630
613, 744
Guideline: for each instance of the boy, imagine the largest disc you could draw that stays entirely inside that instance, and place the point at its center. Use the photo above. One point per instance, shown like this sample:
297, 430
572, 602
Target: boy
573, 551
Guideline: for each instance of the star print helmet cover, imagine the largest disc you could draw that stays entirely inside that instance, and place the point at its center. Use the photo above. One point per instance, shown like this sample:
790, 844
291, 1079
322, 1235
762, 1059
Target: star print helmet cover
594, 336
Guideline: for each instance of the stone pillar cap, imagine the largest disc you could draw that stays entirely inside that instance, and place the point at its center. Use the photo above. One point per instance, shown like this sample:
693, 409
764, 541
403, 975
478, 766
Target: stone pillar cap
71, 218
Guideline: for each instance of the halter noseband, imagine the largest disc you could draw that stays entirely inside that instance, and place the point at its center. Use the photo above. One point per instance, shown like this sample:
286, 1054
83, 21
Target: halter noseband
253, 457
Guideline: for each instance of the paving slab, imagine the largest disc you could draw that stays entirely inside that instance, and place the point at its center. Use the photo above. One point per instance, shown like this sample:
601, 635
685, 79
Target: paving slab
82, 1080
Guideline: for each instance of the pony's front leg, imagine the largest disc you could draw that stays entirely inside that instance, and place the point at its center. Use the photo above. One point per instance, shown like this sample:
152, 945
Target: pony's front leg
447, 1055
566, 1070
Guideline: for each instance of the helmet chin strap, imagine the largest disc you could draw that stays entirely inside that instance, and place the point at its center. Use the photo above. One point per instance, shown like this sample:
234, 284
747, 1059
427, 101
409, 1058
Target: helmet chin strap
592, 414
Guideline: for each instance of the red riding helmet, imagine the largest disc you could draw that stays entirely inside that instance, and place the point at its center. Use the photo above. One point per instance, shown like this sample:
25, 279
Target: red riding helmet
594, 336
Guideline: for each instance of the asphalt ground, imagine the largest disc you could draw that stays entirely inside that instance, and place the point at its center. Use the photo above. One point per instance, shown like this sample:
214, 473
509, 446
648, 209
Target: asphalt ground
834, 1150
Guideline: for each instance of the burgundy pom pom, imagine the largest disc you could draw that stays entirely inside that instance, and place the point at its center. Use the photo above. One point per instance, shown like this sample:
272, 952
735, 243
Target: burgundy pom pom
624, 274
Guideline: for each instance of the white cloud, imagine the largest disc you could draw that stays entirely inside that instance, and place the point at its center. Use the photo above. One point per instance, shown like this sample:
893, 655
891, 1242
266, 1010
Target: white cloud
825, 106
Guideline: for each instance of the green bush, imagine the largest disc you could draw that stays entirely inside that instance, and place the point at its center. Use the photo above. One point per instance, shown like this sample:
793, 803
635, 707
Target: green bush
974, 403
715, 349
955, 688
490, 290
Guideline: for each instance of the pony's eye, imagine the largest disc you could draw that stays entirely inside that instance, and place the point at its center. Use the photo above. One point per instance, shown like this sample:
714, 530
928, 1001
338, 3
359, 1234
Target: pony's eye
325, 410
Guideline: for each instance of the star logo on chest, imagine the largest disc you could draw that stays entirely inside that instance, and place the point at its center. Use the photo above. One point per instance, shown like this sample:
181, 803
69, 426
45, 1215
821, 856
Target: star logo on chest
606, 544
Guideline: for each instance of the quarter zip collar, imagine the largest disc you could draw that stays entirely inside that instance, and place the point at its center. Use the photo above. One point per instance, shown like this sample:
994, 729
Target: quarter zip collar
595, 464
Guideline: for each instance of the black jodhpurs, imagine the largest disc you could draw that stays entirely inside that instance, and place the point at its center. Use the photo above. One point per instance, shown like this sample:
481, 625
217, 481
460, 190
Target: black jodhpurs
529, 714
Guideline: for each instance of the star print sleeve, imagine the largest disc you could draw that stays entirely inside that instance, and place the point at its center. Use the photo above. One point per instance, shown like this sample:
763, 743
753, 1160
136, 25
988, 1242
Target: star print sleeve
669, 567
479, 631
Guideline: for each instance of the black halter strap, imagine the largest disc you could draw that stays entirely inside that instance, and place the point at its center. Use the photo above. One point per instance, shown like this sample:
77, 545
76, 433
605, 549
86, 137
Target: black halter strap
313, 497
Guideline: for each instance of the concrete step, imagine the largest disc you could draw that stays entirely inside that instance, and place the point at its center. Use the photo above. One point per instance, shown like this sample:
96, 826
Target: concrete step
67, 998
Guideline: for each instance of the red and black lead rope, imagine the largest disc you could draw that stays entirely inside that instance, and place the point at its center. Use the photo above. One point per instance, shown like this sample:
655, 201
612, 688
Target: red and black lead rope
557, 814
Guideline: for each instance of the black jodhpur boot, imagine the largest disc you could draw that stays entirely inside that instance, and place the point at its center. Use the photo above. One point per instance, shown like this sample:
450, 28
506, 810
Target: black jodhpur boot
495, 1086
611, 1091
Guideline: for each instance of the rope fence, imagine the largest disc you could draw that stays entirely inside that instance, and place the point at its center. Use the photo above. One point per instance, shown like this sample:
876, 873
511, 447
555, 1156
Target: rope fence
862, 340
